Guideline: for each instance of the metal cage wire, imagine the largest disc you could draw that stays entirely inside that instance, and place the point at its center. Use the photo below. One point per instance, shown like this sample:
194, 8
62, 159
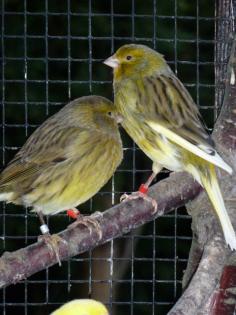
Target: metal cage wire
52, 52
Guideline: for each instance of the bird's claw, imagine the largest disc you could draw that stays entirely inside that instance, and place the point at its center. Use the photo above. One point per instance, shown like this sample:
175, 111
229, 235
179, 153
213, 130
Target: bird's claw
52, 242
87, 221
139, 194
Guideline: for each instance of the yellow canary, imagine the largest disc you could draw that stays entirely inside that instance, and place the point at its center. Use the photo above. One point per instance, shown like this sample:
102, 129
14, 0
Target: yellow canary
162, 118
67, 159
82, 307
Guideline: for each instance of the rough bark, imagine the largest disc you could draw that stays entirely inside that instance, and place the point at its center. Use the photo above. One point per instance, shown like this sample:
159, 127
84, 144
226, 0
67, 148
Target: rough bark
206, 289
223, 301
204, 283
169, 193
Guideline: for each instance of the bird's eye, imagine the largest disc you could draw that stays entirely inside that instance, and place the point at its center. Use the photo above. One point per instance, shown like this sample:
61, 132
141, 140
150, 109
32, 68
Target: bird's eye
109, 114
128, 57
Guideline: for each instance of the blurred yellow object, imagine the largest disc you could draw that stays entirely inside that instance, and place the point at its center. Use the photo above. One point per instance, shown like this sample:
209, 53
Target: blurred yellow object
82, 307
162, 118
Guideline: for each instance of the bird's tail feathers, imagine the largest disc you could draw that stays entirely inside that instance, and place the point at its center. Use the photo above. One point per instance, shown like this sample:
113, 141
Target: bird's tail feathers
212, 187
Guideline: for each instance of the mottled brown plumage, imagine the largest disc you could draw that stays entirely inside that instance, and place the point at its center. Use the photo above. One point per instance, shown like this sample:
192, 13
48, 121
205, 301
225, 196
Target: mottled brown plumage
67, 159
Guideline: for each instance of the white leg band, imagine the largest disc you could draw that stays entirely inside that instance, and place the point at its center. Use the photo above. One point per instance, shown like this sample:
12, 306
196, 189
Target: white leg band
44, 229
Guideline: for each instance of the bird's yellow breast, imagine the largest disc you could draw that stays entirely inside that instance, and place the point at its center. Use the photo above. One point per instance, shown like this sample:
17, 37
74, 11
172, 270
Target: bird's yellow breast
76, 180
154, 145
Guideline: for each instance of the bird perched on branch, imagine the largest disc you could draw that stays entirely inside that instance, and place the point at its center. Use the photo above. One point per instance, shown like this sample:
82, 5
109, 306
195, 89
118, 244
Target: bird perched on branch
162, 118
66, 160
82, 307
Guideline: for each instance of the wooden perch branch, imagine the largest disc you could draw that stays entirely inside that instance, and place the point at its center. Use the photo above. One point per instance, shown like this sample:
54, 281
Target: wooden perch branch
204, 281
169, 193
223, 302
209, 256
209, 280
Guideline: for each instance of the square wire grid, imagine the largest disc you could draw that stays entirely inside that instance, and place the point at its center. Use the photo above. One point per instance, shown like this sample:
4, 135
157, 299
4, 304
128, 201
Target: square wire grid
52, 52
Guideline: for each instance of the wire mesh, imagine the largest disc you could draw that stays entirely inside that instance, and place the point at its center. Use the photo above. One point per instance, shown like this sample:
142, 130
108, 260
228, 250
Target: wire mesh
52, 52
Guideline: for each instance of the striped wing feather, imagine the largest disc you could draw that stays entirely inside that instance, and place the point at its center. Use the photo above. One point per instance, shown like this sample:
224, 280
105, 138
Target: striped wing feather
174, 114
41, 150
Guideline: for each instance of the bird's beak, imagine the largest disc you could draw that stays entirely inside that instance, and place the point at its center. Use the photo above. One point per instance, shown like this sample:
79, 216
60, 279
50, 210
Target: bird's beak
119, 119
112, 62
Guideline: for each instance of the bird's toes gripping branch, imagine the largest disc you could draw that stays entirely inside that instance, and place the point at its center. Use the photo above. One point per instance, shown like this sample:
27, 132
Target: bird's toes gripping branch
89, 222
141, 193
52, 242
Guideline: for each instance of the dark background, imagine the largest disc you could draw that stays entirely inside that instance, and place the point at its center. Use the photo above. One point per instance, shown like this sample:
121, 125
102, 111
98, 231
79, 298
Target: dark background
51, 53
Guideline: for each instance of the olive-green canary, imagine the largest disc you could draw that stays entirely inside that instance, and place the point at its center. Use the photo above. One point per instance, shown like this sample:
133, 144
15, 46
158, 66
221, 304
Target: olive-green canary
162, 118
66, 160
82, 307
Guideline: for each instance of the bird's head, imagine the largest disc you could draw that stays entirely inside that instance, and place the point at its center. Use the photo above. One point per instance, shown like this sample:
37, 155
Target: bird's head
132, 59
103, 110
99, 112
93, 112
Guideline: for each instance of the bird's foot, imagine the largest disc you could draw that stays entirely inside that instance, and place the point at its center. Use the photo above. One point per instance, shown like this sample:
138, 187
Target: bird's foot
141, 193
87, 221
73, 213
52, 242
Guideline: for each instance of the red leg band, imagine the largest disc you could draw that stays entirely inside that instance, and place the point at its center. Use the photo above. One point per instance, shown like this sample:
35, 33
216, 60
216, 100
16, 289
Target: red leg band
143, 189
72, 214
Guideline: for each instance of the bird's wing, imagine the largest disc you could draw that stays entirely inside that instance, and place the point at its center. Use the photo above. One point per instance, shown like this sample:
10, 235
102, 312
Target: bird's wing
46, 147
174, 114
